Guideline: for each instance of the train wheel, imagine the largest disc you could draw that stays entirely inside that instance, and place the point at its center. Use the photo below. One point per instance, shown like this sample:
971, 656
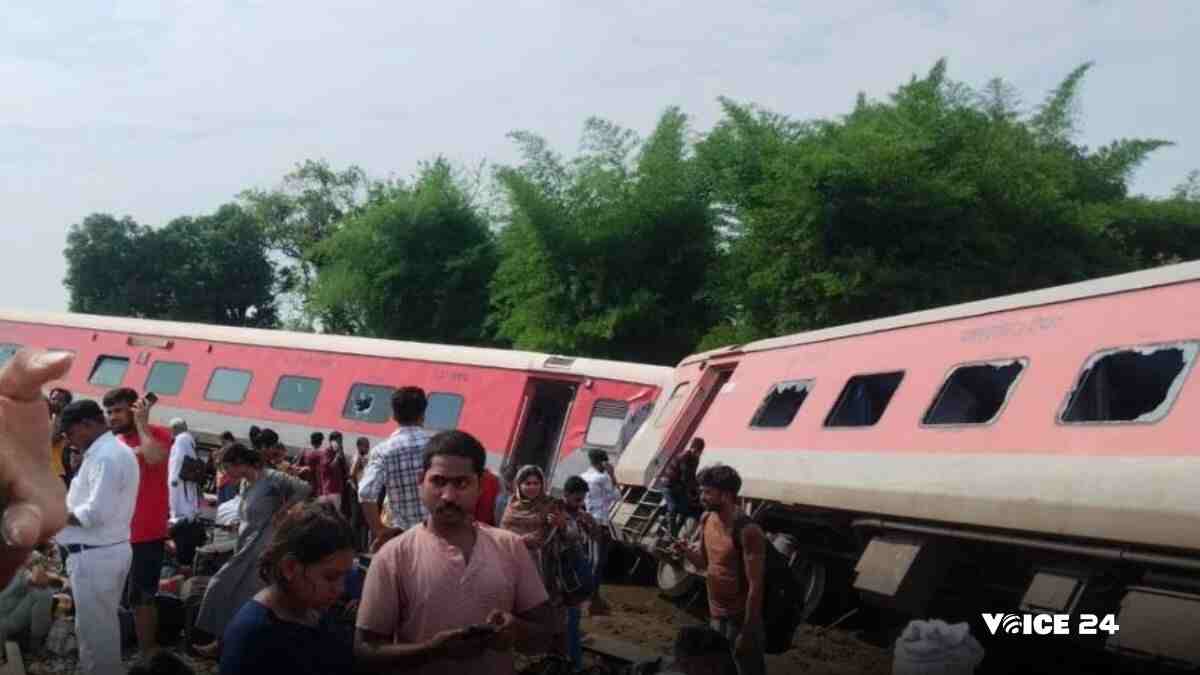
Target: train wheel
673, 580
810, 576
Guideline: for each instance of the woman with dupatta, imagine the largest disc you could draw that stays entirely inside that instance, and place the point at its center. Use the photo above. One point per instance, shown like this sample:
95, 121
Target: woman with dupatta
538, 519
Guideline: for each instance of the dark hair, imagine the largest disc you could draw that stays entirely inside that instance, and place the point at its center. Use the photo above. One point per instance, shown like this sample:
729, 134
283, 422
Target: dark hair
80, 411
509, 473
575, 485
262, 439
316, 438
408, 405
240, 454
698, 443
161, 662
720, 477
335, 434
121, 395
456, 443
65, 392
363, 439
597, 457
700, 641
227, 436
309, 533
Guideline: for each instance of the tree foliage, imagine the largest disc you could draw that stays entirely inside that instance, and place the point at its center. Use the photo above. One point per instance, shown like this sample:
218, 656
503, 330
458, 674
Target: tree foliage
208, 269
415, 264
606, 254
938, 195
302, 212
647, 249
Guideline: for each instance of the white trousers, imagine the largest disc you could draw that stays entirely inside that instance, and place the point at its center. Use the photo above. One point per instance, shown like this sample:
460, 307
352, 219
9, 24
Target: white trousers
97, 581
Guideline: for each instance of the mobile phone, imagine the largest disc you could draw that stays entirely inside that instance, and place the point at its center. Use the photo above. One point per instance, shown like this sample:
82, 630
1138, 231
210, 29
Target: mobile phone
151, 398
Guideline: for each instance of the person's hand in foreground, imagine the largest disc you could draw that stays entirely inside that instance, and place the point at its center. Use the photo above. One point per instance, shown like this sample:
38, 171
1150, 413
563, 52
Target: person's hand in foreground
33, 505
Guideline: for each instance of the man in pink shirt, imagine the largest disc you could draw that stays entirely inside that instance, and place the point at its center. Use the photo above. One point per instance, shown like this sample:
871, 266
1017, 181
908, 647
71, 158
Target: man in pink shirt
451, 596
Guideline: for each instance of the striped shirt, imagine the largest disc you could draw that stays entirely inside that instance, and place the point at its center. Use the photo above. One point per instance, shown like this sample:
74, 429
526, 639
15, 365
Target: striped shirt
395, 466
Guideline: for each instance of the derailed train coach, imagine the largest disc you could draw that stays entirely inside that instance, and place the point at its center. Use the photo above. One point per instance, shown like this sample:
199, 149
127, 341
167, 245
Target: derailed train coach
1028, 454
525, 407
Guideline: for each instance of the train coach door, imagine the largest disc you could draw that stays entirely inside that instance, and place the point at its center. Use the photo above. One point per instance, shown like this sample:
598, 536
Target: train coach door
713, 380
546, 406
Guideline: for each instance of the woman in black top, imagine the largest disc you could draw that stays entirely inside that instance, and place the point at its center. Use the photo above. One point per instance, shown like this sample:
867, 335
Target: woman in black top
285, 627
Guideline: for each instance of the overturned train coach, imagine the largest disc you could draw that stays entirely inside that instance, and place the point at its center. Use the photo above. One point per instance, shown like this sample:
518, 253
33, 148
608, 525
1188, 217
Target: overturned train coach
526, 408
1035, 453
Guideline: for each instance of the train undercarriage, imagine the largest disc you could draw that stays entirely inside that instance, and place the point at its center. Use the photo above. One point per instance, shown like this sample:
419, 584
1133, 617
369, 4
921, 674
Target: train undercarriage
1137, 606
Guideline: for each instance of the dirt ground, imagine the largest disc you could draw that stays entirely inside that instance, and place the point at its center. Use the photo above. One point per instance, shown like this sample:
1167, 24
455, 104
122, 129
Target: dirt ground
641, 617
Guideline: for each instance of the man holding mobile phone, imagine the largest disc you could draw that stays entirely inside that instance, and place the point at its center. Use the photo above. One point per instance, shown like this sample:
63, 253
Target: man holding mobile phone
129, 419
449, 595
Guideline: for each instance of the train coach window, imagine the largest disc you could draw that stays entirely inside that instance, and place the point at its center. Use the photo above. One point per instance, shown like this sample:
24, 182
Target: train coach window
782, 403
7, 351
443, 411
296, 394
166, 378
1132, 384
109, 371
228, 385
974, 393
608, 418
369, 403
863, 400
673, 403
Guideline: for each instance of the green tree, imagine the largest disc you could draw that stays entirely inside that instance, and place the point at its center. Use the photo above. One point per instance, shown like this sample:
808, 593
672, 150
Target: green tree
302, 212
218, 269
938, 195
607, 254
414, 265
106, 271
1156, 231
209, 269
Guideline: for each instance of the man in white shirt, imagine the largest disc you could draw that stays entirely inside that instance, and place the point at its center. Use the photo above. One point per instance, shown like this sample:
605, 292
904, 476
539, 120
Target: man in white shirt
99, 510
184, 498
602, 495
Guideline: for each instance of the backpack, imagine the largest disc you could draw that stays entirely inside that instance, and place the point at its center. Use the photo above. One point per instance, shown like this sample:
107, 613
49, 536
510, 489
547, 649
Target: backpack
193, 470
780, 601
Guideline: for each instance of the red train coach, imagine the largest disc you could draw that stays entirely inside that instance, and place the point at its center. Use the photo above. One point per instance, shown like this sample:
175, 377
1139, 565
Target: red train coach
1031, 453
524, 407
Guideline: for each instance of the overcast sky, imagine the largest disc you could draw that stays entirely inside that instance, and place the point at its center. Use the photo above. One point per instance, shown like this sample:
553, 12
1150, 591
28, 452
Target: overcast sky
157, 109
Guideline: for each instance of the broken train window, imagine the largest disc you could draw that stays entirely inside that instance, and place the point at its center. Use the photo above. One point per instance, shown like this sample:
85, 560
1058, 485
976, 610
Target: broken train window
975, 393
1130, 384
782, 403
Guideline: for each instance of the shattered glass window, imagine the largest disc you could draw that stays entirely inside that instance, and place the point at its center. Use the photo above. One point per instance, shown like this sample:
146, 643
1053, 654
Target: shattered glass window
974, 393
1132, 384
782, 403
369, 403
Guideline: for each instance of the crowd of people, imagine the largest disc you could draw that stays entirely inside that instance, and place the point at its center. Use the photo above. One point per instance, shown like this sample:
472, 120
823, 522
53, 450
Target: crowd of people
464, 566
